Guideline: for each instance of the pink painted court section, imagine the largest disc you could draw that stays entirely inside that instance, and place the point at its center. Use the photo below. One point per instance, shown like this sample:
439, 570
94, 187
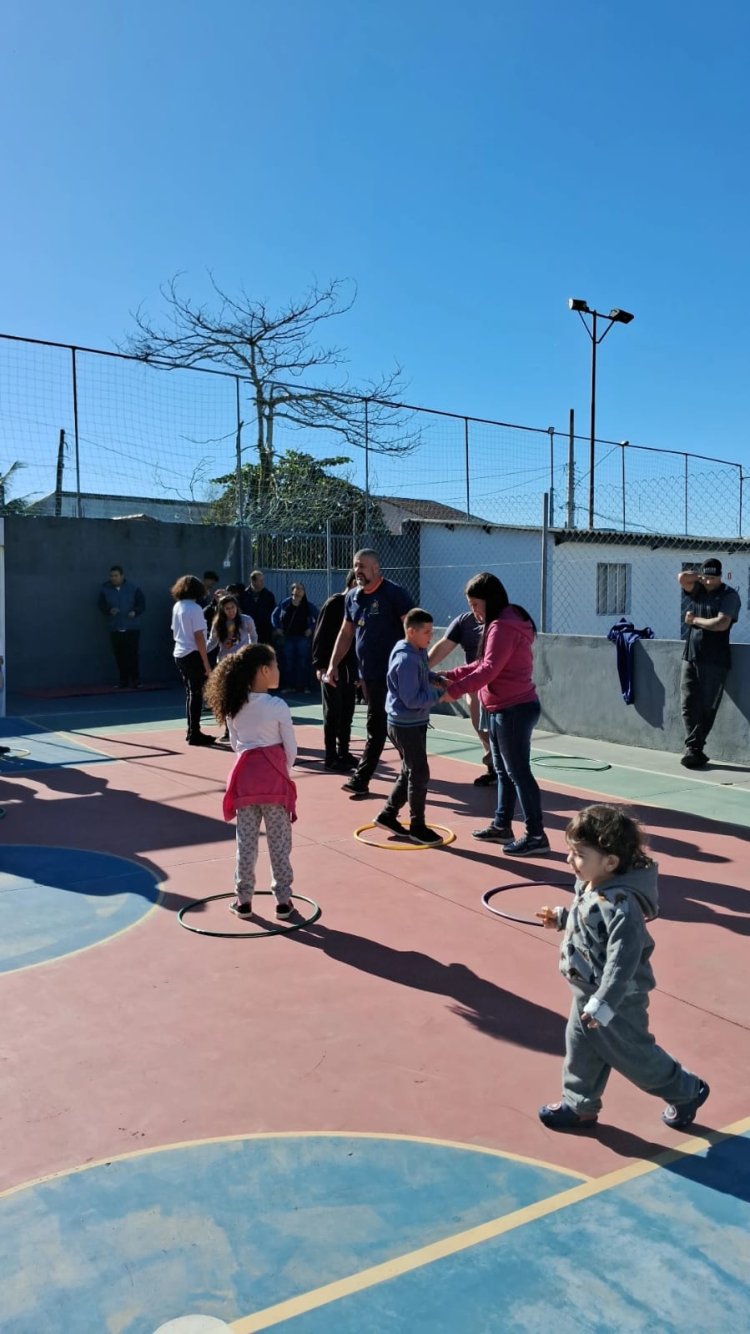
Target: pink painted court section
405, 1010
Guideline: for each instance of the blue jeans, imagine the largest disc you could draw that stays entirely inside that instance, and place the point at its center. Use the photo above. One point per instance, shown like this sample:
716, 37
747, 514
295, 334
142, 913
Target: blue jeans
296, 662
510, 745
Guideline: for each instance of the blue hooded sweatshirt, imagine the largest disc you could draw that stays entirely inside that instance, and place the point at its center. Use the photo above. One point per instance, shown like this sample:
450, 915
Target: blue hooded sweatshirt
410, 692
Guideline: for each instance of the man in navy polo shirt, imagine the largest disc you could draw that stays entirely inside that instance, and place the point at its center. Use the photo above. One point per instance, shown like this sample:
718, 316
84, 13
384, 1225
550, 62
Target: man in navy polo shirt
373, 619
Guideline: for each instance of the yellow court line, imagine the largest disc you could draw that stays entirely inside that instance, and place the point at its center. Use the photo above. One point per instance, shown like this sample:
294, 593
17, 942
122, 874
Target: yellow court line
105, 940
461, 1241
294, 1134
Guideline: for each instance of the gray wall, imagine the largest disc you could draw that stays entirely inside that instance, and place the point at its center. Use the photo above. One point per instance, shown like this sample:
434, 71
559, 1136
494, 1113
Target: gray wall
55, 635
576, 676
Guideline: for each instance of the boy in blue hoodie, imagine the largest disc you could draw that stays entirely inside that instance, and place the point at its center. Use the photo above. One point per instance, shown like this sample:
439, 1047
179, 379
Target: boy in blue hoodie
411, 694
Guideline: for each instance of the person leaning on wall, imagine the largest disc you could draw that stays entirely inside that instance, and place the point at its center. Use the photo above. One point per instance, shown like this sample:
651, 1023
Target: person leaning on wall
712, 611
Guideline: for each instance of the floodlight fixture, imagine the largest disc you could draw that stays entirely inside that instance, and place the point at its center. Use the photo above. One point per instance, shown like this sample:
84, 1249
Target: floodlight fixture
616, 316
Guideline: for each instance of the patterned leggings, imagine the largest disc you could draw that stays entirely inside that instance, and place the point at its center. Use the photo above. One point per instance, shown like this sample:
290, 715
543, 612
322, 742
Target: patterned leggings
279, 838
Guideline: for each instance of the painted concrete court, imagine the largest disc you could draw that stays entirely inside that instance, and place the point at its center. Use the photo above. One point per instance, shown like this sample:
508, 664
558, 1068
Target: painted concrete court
337, 1130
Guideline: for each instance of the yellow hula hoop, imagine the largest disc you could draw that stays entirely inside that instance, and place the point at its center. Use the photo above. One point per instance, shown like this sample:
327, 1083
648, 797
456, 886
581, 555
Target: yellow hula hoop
399, 845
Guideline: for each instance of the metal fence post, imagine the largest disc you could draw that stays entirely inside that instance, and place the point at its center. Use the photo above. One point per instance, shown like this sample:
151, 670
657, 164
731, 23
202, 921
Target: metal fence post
687, 479
238, 482
543, 593
75, 433
571, 519
329, 558
622, 466
551, 434
466, 467
367, 470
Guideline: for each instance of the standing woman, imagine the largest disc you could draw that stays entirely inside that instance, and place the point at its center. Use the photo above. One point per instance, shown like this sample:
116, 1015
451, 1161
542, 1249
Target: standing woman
502, 676
190, 654
295, 619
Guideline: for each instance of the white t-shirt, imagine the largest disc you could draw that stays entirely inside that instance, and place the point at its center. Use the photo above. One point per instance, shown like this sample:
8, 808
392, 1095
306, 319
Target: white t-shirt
187, 617
264, 721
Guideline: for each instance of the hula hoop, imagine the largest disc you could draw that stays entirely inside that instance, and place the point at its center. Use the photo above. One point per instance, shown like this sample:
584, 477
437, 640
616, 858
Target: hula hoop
248, 935
15, 754
519, 884
399, 845
585, 763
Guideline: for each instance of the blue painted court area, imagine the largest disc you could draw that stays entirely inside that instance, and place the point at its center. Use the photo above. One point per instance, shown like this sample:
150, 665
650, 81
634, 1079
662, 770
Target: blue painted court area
231, 1227
55, 900
668, 1251
34, 747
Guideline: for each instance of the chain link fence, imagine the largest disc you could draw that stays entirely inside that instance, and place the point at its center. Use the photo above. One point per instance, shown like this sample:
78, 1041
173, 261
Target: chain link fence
91, 434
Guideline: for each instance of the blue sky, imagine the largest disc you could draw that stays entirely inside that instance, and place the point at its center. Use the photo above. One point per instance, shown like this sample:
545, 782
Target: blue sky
471, 167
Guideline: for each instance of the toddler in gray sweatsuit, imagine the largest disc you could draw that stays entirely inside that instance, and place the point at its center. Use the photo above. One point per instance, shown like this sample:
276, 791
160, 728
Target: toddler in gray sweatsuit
606, 957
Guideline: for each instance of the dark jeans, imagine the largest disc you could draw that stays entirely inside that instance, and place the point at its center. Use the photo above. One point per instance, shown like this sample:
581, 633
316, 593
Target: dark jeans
411, 784
193, 675
296, 659
125, 649
338, 711
374, 693
510, 746
701, 689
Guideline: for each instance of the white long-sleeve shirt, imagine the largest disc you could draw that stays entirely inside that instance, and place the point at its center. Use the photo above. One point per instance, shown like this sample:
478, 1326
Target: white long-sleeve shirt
264, 721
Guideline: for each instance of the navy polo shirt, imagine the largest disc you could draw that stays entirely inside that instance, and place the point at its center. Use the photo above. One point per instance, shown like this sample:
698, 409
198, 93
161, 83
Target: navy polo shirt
376, 618
466, 631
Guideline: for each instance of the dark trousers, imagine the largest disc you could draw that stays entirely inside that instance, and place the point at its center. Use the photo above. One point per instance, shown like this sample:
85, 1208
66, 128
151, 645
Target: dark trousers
510, 747
296, 660
125, 649
193, 675
374, 693
338, 711
412, 782
701, 689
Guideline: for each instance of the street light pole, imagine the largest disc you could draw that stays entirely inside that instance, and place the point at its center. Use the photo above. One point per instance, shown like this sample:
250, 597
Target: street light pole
615, 316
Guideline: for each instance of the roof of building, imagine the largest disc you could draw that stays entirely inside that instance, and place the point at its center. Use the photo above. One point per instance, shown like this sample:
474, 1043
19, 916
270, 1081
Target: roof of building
429, 509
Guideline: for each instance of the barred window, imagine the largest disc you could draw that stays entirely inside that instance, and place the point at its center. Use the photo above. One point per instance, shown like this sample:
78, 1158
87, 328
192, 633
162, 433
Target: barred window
612, 589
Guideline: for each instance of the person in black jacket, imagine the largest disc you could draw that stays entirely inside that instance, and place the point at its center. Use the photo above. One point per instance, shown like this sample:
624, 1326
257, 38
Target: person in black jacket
259, 603
338, 701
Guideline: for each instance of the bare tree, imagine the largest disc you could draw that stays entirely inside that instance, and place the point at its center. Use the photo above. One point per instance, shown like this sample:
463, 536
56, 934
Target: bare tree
273, 350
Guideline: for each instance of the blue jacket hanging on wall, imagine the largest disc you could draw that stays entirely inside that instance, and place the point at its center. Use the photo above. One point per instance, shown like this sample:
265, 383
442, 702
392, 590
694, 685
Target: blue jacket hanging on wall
625, 637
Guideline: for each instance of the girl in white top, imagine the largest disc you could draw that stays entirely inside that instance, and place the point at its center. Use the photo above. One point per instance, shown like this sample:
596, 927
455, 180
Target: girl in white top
230, 629
259, 786
190, 655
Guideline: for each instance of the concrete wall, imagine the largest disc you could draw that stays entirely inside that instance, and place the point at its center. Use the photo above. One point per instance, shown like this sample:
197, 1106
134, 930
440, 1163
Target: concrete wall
449, 557
576, 676
55, 635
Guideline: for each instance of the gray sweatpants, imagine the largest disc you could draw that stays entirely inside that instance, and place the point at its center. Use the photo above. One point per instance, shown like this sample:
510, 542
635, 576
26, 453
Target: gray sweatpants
279, 837
626, 1046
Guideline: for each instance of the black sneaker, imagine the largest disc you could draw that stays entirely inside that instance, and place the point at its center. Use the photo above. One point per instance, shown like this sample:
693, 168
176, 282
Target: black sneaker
528, 846
421, 833
486, 780
284, 910
202, 739
389, 820
359, 787
682, 1114
241, 909
694, 759
347, 762
331, 763
493, 833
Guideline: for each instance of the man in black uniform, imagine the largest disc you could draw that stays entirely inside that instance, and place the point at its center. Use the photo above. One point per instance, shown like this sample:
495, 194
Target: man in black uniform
712, 611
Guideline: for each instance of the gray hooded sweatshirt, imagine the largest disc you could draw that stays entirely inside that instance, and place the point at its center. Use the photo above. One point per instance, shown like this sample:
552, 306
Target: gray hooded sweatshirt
606, 949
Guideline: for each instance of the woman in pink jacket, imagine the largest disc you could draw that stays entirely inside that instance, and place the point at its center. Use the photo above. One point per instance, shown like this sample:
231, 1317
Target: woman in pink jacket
502, 677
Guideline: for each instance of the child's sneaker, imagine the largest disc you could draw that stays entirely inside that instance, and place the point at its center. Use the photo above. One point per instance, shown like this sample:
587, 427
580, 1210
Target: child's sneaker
493, 833
389, 820
241, 909
528, 846
561, 1116
682, 1114
358, 787
421, 833
284, 910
